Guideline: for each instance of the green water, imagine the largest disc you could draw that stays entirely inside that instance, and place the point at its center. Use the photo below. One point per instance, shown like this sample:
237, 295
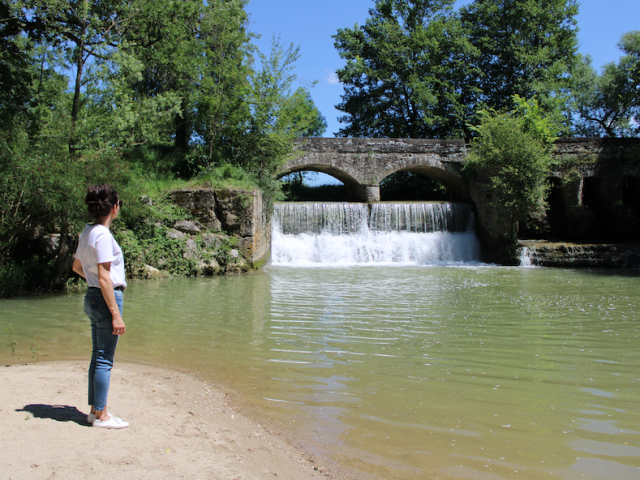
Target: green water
417, 372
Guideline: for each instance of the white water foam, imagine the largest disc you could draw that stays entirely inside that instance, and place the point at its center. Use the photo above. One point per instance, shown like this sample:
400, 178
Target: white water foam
525, 259
328, 234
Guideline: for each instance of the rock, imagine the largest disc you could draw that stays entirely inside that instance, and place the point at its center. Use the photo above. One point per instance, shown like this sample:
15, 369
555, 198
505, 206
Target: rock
210, 267
34, 233
50, 244
175, 234
234, 253
211, 241
189, 227
191, 248
150, 272
146, 200
241, 266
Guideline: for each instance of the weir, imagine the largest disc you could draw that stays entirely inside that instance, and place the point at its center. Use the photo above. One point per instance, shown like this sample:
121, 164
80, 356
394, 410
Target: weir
342, 234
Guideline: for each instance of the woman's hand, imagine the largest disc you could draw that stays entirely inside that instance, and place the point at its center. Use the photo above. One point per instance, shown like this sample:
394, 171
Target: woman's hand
118, 325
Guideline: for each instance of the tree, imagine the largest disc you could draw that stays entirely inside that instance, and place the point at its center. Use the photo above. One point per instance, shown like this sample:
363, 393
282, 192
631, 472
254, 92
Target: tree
278, 115
609, 104
510, 159
526, 48
418, 69
406, 72
223, 95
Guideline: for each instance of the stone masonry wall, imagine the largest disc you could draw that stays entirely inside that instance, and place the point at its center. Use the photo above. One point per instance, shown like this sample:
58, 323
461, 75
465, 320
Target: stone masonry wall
237, 212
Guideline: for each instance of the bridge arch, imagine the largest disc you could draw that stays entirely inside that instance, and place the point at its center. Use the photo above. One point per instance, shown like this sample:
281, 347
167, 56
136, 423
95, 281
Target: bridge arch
453, 183
352, 185
362, 163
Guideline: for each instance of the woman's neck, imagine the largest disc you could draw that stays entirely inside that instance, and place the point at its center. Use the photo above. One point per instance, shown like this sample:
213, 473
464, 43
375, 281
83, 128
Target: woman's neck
105, 221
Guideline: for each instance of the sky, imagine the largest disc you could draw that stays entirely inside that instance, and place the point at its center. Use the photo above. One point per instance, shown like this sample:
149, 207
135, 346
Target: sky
310, 25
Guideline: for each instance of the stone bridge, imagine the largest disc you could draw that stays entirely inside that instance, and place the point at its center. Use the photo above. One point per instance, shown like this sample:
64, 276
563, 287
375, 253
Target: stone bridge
362, 163
595, 182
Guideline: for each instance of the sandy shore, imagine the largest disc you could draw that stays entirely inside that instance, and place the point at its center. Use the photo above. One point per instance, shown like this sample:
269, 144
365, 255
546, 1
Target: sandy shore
180, 428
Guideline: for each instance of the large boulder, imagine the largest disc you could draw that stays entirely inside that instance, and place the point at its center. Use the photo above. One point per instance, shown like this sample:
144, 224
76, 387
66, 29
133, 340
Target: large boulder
150, 273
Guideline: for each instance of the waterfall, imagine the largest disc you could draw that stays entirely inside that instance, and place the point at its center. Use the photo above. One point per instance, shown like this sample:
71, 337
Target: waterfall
525, 257
340, 234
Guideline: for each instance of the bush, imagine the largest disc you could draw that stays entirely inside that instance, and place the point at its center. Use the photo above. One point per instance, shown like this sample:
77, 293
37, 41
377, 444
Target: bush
510, 157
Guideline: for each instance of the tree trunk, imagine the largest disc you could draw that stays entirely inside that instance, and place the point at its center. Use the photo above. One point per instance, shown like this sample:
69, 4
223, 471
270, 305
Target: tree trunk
75, 108
62, 264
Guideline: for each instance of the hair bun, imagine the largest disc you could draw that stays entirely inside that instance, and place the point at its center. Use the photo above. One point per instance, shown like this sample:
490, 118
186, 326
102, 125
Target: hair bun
100, 200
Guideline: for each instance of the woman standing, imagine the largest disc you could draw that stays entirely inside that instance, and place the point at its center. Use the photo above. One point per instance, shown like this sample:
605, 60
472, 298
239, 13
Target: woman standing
99, 260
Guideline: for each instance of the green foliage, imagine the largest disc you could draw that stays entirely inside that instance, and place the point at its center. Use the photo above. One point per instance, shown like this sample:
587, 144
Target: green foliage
526, 48
12, 342
510, 158
421, 70
147, 96
405, 186
405, 72
35, 352
608, 105
150, 245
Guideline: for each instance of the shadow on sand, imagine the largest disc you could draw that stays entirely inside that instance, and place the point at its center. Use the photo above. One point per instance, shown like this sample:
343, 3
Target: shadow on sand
59, 413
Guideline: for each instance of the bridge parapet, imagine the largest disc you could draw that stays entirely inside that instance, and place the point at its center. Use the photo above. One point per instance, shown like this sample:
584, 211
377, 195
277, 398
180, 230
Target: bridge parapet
451, 150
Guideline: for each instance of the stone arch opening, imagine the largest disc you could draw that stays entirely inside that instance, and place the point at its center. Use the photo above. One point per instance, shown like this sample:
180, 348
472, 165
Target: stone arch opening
405, 185
346, 190
451, 185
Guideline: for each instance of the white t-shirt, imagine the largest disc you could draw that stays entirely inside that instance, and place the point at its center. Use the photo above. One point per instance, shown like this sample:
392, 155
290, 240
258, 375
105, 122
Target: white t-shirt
97, 245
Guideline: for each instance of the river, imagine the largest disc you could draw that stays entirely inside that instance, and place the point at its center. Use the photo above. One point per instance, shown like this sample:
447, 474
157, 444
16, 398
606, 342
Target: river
471, 371
379, 340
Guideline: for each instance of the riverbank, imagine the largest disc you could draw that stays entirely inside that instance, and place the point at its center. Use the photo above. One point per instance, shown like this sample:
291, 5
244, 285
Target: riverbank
181, 427
580, 255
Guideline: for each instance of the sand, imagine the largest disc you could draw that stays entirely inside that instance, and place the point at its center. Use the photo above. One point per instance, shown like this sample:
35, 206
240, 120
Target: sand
180, 428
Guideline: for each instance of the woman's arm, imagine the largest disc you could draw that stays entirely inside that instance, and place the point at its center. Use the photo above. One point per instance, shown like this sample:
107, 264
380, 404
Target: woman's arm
104, 277
77, 267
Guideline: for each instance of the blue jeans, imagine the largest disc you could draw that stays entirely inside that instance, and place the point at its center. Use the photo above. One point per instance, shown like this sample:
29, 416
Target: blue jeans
104, 345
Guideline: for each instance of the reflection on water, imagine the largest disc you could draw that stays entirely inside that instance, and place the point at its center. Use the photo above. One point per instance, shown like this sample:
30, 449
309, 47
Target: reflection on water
406, 372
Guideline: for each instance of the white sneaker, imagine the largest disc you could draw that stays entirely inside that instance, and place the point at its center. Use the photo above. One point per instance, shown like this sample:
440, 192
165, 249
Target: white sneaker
113, 422
92, 418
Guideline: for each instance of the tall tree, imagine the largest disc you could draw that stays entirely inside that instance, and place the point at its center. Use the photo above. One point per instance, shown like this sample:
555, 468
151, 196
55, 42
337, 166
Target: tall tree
525, 47
223, 94
406, 72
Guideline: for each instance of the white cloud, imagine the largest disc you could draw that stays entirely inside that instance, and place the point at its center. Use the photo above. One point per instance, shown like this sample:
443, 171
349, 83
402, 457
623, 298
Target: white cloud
332, 78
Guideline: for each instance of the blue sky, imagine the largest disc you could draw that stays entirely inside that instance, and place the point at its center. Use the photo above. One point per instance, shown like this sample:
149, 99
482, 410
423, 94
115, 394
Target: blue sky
311, 25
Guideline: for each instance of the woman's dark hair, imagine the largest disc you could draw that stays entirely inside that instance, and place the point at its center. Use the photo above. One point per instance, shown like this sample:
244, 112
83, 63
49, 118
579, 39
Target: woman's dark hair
100, 200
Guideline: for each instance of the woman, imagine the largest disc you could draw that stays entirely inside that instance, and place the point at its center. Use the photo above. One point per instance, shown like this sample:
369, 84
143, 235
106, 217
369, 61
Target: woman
99, 260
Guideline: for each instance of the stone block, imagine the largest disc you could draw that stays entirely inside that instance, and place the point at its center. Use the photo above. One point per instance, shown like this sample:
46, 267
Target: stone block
202, 205
189, 227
